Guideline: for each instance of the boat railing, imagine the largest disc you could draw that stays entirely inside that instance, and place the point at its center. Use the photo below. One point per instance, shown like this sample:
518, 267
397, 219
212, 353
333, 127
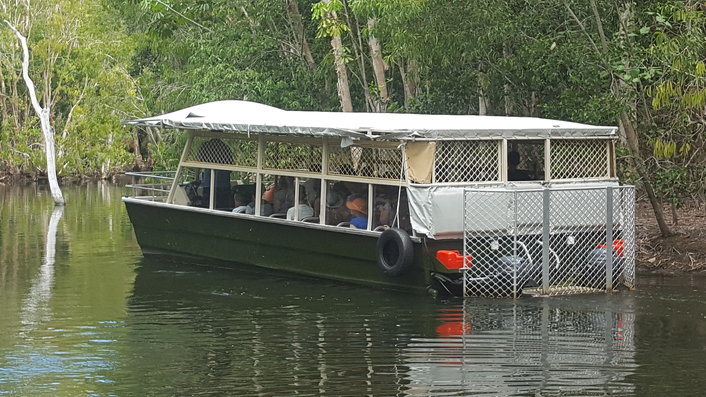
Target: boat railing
151, 185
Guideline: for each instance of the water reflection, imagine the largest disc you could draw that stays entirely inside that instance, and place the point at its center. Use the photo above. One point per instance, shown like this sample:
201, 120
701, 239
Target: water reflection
258, 333
64, 278
543, 346
35, 308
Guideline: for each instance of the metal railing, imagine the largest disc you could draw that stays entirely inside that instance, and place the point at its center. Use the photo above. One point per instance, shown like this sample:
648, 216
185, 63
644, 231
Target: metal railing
151, 185
550, 241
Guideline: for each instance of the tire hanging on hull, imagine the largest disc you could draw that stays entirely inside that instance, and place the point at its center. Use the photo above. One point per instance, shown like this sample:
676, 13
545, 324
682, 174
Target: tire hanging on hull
395, 252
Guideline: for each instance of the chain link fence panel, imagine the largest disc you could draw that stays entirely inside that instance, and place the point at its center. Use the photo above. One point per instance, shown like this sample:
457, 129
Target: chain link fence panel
379, 163
467, 161
550, 241
232, 151
575, 159
293, 156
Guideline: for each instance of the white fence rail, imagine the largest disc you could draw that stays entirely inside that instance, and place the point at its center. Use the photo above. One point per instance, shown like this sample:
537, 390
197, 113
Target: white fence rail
153, 185
550, 241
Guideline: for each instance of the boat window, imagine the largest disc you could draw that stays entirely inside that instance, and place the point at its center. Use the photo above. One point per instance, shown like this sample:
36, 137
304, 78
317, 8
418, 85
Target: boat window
277, 195
571, 159
194, 188
525, 160
186, 187
307, 196
365, 161
386, 212
467, 161
338, 194
243, 190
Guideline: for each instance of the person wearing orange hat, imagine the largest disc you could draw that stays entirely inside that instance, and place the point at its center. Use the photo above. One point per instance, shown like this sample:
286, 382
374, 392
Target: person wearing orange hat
359, 209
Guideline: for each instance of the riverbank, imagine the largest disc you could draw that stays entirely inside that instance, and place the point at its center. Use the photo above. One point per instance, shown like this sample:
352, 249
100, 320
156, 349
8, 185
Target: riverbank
685, 252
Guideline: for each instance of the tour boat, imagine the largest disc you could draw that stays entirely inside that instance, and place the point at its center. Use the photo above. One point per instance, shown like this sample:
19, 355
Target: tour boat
454, 204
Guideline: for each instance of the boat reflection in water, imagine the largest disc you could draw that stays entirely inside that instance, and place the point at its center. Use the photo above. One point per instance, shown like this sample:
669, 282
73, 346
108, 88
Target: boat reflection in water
542, 347
198, 329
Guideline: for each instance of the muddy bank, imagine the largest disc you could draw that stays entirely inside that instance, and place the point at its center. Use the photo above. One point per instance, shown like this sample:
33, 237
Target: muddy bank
685, 252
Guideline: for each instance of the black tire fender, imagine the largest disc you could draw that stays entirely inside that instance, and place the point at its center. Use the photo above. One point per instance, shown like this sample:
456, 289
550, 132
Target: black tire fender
395, 252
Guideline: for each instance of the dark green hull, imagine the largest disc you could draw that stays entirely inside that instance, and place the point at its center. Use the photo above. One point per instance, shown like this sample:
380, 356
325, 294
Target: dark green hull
302, 248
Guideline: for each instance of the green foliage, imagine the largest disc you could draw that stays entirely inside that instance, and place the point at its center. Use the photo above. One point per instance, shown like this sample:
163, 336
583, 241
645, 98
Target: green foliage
130, 58
328, 26
80, 70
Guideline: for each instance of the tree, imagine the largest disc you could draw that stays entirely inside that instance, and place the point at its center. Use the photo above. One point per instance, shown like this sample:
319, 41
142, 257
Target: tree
326, 11
79, 62
43, 114
623, 89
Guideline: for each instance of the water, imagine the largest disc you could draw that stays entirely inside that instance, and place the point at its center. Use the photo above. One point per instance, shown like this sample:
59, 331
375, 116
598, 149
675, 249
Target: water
83, 313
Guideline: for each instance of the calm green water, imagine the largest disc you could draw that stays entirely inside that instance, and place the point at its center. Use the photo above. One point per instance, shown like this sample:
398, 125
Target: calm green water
82, 313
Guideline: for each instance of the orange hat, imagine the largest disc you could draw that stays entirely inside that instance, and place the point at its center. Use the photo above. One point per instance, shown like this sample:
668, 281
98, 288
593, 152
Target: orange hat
357, 204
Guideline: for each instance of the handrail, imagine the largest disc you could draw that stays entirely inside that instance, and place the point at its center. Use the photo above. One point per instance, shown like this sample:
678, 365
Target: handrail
160, 188
153, 174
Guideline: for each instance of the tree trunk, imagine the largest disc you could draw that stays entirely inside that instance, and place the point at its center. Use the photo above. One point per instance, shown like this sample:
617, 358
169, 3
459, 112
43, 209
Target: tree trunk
379, 67
627, 123
299, 35
628, 128
483, 101
43, 114
371, 103
137, 150
507, 90
410, 82
344, 92
534, 105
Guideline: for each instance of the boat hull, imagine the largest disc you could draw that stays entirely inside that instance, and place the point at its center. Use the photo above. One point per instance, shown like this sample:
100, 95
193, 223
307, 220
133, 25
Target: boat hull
296, 247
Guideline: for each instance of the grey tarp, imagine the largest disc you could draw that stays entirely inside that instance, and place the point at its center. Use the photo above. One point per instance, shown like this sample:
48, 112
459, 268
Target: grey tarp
250, 117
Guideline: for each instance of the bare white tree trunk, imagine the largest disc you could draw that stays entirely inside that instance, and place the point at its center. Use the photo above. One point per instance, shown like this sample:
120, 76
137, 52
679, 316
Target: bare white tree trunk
43, 114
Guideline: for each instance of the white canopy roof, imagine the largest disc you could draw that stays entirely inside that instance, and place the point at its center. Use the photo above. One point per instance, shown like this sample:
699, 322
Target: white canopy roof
250, 117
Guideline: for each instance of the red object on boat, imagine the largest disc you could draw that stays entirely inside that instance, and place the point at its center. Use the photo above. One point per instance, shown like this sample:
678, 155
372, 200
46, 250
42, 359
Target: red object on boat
452, 259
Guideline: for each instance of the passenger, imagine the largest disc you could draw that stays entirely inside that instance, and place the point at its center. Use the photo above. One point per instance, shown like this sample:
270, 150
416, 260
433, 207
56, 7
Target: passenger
359, 210
283, 194
513, 173
243, 205
313, 194
336, 211
383, 212
305, 210
268, 198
